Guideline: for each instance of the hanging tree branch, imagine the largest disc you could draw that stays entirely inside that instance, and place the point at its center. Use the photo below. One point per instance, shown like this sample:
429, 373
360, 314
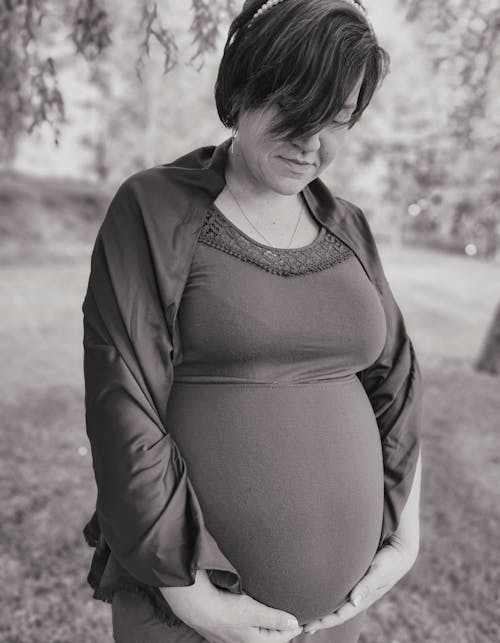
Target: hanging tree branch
153, 28
29, 92
463, 37
204, 27
91, 28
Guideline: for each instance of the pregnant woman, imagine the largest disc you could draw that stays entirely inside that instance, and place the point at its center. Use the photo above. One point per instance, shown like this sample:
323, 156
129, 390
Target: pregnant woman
253, 400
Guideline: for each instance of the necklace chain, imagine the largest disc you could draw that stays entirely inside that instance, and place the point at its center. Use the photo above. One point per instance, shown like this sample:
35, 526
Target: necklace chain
255, 228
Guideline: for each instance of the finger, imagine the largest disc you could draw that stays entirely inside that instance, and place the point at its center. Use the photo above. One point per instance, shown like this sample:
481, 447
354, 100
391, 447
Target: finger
259, 615
323, 623
375, 581
379, 578
367, 593
344, 613
359, 594
318, 623
278, 636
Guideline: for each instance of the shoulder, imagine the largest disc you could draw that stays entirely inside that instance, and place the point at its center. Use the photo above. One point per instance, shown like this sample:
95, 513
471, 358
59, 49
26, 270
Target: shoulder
176, 174
165, 191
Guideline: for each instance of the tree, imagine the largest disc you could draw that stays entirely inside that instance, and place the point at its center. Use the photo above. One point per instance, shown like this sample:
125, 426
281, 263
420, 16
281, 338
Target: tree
29, 92
436, 146
489, 356
457, 167
464, 38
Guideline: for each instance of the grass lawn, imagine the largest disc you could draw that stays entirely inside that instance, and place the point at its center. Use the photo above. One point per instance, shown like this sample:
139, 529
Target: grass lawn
47, 488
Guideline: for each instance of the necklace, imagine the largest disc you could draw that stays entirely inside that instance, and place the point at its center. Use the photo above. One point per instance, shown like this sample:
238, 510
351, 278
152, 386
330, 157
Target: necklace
254, 227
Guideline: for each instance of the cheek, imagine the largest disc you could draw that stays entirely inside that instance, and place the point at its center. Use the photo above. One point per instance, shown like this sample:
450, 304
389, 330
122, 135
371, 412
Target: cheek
328, 151
330, 147
251, 149
259, 143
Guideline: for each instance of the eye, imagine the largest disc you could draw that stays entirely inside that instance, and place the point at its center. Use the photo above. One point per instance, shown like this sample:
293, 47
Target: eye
336, 124
343, 119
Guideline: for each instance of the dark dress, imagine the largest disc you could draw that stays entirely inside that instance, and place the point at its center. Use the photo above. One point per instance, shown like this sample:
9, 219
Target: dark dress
279, 437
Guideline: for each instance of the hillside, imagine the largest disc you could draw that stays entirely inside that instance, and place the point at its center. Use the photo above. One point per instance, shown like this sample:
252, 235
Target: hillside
47, 217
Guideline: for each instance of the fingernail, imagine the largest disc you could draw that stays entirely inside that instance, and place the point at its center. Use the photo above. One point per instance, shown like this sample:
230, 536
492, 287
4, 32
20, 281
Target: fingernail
312, 631
292, 623
356, 600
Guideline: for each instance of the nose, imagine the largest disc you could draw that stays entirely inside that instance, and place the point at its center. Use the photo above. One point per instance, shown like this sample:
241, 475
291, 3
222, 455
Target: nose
309, 143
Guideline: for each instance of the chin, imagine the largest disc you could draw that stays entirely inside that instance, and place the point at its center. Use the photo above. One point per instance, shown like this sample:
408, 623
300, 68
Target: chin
288, 186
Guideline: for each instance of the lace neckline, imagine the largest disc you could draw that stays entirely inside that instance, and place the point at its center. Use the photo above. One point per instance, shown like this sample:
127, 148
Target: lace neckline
265, 246
323, 252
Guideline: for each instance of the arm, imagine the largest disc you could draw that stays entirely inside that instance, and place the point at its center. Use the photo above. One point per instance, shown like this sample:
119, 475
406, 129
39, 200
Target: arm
393, 561
147, 509
398, 554
407, 535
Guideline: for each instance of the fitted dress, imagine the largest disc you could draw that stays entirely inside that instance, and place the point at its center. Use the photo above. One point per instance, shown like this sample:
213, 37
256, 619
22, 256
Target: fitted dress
279, 437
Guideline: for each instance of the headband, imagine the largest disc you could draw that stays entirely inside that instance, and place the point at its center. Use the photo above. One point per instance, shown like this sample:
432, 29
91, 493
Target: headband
272, 3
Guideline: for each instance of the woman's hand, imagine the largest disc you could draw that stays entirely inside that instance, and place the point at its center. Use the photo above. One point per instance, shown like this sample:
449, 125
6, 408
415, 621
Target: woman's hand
389, 565
223, 617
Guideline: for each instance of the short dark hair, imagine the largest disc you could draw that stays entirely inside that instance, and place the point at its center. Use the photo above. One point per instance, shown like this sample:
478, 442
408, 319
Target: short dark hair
305, 56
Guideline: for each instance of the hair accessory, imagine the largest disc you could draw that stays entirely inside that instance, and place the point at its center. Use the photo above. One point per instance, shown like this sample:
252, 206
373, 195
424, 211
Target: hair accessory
272, 3
357, 5
267, 5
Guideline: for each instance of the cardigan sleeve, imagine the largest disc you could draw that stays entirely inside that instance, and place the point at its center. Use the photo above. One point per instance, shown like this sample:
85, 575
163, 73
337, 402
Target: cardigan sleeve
393, 384
147, 509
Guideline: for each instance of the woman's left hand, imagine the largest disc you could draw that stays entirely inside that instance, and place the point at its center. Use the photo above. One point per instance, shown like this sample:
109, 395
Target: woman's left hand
389, 565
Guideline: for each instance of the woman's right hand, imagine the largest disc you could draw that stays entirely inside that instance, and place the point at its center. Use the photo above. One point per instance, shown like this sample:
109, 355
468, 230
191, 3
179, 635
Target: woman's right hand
223, 617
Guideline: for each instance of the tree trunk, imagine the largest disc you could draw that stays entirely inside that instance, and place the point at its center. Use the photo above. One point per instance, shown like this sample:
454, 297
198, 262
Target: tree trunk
489, 357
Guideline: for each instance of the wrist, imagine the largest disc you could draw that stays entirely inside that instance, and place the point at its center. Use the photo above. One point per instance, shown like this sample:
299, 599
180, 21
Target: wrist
408, 547
180, 590
197, 604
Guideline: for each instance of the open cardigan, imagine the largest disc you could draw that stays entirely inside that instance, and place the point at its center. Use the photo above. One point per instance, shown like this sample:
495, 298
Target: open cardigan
148, 527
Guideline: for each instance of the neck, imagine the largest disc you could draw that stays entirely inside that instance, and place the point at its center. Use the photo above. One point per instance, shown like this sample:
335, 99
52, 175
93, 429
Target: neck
249, 190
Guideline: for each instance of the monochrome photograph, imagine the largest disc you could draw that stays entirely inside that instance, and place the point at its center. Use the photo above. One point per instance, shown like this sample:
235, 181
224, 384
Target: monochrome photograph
250, 332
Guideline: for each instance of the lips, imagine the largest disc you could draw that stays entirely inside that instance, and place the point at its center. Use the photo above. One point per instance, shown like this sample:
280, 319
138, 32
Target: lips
296, 164
298, 161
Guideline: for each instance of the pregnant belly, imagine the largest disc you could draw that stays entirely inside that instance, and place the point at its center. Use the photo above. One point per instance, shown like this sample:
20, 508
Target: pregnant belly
290, 481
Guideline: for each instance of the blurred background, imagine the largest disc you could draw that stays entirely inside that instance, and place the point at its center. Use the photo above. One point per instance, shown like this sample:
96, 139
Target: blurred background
94, 90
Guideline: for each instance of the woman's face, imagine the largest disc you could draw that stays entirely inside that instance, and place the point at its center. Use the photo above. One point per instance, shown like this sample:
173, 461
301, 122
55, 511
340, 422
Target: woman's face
286, 166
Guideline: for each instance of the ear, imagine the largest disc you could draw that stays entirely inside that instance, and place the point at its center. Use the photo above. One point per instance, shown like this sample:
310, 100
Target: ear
236, 107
